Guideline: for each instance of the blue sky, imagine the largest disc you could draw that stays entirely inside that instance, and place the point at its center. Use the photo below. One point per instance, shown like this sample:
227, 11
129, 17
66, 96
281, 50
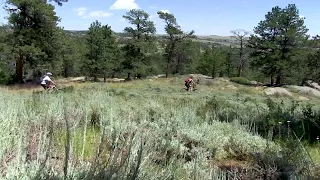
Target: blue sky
206, 17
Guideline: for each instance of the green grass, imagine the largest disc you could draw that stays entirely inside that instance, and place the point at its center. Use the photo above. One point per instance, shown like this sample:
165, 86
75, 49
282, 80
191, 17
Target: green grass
314, 152
85, 141
182, 135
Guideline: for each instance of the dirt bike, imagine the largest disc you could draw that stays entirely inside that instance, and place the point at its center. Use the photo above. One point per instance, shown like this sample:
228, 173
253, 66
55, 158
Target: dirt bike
192, 87
52, 88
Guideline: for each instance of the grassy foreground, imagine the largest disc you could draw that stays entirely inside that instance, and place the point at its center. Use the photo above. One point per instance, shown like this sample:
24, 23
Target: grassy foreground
147, 129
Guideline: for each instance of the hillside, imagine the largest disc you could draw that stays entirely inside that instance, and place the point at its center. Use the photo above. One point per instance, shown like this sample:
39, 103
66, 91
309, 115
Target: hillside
220, 128
213, 39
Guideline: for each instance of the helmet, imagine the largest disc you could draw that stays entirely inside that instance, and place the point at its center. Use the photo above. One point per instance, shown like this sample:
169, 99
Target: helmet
191, 77
49, 73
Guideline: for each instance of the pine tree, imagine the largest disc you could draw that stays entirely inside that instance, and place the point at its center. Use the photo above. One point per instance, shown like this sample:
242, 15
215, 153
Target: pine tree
276, 41
102, 50
174, 37
34, 33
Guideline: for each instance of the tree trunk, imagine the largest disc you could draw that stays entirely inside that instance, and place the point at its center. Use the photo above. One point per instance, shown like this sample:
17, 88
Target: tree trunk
228, 67
65, 72
278, 80
241, 52
95, 78
104, 77
170, 55
271, 80
19, 68
303, 81
168, 68
128, 77
239, 71
179, 64
213, 73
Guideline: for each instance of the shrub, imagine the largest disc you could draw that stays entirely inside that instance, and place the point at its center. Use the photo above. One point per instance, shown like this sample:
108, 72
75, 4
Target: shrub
241, 80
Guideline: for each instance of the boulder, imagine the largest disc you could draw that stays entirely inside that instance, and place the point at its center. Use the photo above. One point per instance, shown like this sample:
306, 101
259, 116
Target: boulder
152, 77
305, 90
313, 84
78, 79
161, 76
118, 80
256, 83
231, 87
277, 91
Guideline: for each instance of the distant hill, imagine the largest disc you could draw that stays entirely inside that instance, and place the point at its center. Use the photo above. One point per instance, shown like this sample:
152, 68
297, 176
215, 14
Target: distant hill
213, 39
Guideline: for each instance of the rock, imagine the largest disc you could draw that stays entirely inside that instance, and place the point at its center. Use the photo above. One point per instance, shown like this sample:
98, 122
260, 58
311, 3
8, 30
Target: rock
255, 83
313, 84
161, 76
79, 79
306, 90
277, 90
301, 98
232, 87
152, 77
118, 80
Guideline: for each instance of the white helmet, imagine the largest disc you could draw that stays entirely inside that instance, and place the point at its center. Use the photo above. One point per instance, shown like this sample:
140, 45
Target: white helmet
49, 73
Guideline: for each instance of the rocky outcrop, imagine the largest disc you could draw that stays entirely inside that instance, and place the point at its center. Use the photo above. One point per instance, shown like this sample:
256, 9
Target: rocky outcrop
79, 79
277, 91
305, 90
313, 84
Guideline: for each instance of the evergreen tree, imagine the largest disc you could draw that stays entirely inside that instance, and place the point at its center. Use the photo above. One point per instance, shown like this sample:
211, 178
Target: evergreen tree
173, 38
101, 50
213, 62
34, 36
276, 41
136, 49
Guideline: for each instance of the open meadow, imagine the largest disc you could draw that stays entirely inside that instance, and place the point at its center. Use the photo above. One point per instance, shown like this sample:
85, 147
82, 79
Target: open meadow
149, 129
255, 113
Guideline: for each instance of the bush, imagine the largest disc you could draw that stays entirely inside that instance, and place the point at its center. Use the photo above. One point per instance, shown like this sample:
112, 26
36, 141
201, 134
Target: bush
241, 80
6, 78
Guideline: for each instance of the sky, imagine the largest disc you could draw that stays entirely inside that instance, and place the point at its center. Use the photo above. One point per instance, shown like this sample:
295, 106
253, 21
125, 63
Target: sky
205, 17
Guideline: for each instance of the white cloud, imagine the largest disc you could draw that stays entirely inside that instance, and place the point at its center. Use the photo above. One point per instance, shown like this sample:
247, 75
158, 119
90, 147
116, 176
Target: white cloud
124, 5
165, 11
122, 20
81, 11
99, 14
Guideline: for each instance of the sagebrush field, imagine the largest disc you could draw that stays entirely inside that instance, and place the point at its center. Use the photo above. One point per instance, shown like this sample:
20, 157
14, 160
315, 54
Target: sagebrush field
149, 129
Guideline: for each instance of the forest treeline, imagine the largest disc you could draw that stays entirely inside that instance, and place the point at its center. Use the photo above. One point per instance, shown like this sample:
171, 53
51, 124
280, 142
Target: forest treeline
277, 51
